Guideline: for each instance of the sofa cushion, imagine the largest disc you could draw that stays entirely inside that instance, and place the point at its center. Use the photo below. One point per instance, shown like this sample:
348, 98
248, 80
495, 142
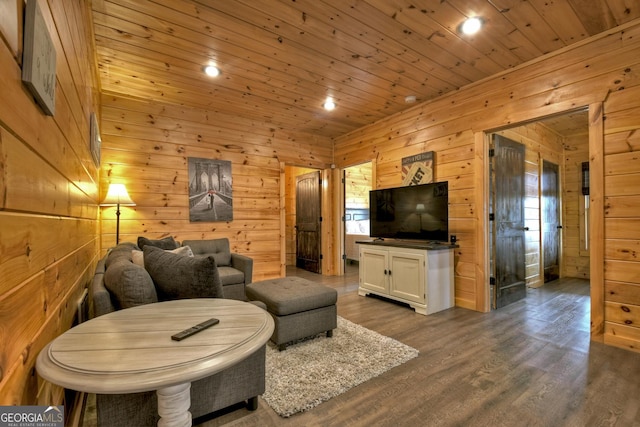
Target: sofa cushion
289, 295
137, 256
219, 248
178, 277
129, 284
164, 243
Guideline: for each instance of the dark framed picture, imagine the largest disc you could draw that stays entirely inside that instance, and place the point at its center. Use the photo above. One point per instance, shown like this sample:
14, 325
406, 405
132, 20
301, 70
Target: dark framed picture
210, 190
39, 59
95, 140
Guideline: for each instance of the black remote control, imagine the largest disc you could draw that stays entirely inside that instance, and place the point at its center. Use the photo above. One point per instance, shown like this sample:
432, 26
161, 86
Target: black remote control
194, 329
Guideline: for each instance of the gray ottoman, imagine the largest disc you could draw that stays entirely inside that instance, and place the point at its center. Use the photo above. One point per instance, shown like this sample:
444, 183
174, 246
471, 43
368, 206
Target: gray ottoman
300, 308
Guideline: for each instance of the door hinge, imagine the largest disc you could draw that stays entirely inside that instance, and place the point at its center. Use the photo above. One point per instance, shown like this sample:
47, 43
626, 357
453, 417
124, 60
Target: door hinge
492, 217
320, 256
492, 281
344, 256
492, 152
320, 219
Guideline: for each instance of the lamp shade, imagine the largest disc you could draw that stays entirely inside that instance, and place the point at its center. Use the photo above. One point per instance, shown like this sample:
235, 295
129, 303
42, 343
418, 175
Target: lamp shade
117, 195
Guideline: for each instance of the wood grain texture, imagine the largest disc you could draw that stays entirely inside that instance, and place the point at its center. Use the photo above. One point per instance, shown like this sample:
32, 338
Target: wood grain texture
533, 92
596, 218
146, 146
531, 363
540, 142
264, 113
48, 206
118, 352
285, 57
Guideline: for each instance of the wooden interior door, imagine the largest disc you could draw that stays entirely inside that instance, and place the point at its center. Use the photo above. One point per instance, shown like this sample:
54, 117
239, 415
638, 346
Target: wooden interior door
508, 229
308, 219
551, 224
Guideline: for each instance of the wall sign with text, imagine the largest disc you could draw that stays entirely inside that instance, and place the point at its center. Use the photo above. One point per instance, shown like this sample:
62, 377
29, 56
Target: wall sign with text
418, 169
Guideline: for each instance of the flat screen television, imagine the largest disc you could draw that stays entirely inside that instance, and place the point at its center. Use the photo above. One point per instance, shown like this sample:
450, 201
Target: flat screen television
415, 212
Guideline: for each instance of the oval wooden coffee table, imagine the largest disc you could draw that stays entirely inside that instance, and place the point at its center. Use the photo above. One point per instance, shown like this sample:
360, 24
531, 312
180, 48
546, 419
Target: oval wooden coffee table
131, 350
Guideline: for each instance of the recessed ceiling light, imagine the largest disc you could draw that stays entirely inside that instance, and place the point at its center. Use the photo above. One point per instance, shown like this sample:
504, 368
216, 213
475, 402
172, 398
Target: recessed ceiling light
471, 25
410, 99
212, 71
329, 104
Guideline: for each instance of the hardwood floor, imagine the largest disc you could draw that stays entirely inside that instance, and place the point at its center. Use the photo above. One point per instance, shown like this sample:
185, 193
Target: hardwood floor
529, 364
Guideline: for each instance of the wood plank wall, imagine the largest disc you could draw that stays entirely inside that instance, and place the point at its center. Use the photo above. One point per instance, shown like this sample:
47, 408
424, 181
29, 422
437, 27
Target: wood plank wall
48, 197
575, 262
49, 232
357, 186
622, 213
145, 145
602, 69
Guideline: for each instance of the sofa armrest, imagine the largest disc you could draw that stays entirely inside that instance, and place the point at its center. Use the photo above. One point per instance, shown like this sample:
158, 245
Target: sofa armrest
244, 264
100, 296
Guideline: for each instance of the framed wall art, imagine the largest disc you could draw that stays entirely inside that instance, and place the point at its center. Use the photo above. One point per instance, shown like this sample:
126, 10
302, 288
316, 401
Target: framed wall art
210, 190
95, 141
39, 59
418, 169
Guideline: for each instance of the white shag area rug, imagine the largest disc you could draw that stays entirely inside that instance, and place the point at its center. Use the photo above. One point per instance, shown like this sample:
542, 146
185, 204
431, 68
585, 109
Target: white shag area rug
313, 371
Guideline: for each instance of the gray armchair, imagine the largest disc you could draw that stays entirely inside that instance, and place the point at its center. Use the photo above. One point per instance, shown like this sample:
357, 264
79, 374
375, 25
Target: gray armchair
236, 271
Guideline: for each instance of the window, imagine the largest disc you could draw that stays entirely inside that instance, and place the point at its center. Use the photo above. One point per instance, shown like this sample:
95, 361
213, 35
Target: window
584, 210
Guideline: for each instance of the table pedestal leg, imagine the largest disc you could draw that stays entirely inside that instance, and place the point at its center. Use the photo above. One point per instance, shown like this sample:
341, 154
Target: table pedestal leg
173, 406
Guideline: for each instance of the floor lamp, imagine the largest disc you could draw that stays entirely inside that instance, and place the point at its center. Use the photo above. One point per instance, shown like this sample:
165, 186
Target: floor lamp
117, 195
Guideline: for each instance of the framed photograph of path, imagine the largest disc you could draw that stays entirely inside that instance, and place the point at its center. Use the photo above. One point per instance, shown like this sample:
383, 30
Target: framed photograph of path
210, 190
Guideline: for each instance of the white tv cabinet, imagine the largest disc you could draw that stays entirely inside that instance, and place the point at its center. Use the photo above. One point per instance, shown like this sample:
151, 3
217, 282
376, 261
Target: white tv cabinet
419, 274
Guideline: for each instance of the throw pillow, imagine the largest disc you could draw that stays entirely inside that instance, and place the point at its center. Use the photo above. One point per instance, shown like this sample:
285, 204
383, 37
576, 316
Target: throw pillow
130, 284
179, 277
138, 256
164, 243
122, 250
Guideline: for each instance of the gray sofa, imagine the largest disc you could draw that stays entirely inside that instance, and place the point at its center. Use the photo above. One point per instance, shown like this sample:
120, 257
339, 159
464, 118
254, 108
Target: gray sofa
120, 283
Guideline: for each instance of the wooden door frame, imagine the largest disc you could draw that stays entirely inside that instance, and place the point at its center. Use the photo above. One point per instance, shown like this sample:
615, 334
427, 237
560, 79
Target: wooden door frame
596, 215
340, 236
561, 212
283, 221
515, 287
309, 195
329, 207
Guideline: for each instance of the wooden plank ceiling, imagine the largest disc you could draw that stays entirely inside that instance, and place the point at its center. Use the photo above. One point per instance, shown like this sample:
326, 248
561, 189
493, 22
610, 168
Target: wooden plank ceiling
279, 59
